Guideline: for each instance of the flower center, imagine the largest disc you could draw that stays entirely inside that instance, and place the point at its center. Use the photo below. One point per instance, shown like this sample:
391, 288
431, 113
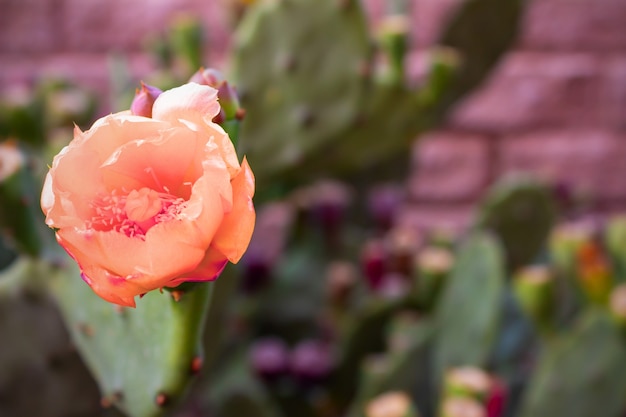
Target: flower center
134, 213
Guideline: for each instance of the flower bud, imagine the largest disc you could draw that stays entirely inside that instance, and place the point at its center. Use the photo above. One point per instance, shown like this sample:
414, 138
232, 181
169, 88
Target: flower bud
402, 244
229, 100
393, 33
394, 286
341, 278
11, 160
432, 266
384, 203
391, 404
617, 304
311, 361
227, 95
594, 273
144, 100
19, 217
443, 237
467, 381
615, 241
534, 287
269, 358
208, 76
565, 241
374, 262
462, 407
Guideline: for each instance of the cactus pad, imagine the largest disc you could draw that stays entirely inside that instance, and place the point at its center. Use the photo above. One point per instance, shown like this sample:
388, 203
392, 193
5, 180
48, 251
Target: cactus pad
142, 358
521, 212
468, 313
581, 374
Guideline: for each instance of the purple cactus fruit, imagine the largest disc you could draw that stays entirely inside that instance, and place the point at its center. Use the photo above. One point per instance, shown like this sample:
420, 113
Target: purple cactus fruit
374, 262
311, 361
269, 358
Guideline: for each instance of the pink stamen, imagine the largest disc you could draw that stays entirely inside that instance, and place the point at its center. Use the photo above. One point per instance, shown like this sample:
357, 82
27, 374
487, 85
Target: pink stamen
111, 212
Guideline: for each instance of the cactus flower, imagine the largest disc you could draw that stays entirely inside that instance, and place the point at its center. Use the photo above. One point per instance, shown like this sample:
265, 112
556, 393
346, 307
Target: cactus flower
143, 203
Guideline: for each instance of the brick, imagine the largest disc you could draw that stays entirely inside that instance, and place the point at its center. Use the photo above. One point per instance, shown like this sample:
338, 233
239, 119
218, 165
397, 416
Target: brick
538, 90
430, 18
615, 89
89, 71
28, 26
449, 166
105, 25
589, 159
575, 25
427, 218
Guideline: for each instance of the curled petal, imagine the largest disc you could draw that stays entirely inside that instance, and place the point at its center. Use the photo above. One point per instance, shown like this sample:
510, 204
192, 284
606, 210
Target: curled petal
234, 234
193, 102
112, 288
208, 270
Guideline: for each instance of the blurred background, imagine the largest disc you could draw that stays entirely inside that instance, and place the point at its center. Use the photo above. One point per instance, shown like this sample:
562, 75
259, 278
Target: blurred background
441, 202
555, 105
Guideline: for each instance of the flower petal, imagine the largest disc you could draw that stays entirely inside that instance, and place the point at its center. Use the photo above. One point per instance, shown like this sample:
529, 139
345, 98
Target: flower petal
233, 236
75, 169
112, 288
172, 162
193, 102
208, 270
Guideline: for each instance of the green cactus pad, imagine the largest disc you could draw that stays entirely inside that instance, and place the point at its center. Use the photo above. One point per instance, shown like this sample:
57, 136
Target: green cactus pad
297, 66
142, 358
400, 369
468, 313
480, 32
581, 374
615, 241
521, 212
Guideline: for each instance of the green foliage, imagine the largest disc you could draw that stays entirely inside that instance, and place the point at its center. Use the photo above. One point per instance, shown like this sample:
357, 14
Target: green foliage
20, 217
142, 358
317, 104
615, 241
296, 96
404, 367
580, 373
468, 313
521, 212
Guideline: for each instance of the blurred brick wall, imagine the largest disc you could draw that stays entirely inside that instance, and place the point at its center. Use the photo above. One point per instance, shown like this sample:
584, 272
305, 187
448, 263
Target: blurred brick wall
555, 106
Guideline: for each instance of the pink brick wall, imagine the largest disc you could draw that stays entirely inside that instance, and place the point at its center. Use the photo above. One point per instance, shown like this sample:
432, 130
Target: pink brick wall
556, 105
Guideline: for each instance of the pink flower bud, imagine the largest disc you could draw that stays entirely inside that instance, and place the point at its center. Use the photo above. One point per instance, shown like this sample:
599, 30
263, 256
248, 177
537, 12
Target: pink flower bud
208, 76
229, 100
144, 100
311, 361
227, 95
269, 358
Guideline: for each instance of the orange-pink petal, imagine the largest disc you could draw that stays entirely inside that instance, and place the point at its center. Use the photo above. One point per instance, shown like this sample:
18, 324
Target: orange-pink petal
208, 270
233, 236
193, 102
